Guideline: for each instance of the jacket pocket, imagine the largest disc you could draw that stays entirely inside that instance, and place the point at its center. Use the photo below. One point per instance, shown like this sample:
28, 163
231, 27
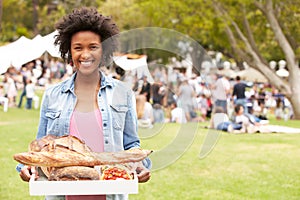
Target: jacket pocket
53, 117
119, 115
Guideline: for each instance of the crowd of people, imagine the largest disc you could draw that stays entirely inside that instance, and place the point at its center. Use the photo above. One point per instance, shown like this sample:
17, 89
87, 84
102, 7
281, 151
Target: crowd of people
31, 76
172, 97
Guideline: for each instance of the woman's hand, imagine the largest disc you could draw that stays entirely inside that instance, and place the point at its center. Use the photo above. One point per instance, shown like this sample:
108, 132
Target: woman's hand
27, 171
143, 173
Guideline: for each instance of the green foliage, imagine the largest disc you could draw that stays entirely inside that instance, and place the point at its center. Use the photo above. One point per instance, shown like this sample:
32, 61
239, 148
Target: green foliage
22, 31
196, 18
18, 20
15, 19
46, 27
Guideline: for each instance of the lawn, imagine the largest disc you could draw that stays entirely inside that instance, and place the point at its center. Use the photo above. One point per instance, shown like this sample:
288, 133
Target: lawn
190, 162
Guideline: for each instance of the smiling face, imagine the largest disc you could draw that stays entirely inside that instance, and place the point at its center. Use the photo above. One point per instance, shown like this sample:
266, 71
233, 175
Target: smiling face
86, 51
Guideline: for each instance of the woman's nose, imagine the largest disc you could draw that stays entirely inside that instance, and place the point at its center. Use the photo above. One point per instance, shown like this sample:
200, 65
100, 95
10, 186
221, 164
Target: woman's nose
85, 54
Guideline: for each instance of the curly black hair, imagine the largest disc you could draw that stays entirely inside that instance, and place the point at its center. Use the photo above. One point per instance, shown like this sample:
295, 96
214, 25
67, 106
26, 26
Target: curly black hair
90, 19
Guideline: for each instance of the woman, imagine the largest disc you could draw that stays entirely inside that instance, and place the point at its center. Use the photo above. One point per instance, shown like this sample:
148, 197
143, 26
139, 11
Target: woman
97, 109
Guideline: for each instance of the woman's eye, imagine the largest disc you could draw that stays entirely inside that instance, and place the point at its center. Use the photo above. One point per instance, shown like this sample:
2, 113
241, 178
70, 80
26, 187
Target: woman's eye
77, 48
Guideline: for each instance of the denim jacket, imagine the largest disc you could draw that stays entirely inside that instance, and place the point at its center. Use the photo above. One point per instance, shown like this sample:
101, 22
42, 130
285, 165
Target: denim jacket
117, 106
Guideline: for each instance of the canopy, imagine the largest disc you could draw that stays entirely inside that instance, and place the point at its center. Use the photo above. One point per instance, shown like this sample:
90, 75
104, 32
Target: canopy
227, 72
49, 44
25, 50
136, 63
253, 75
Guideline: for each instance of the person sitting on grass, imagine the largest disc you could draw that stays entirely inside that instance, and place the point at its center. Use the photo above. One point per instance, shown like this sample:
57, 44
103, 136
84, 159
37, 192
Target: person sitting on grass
221, 121
177, 114
250, 122
144, 112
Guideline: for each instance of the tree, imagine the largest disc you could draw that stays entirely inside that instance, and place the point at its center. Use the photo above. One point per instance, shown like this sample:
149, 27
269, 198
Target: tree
244, 30
244, 43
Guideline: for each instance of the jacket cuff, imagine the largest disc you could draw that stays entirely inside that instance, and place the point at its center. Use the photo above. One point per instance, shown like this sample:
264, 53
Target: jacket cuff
147, 163
19, 167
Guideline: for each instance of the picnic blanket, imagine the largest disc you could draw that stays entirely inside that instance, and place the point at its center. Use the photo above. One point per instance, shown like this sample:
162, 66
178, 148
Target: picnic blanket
278, 129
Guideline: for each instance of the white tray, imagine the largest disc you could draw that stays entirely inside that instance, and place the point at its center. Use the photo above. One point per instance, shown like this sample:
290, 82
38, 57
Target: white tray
119, 186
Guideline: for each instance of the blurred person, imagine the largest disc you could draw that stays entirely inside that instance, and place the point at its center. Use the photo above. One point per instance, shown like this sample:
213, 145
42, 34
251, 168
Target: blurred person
170, 94
279, 110
144, 112
89, 105
203, 105
145, 88
26, 74
250, 122
177, 114
289, 112
30, 93
158, 92
186, 95
158, 113
3, 99
238, 93
261, 98
220, 90
221, 121
24, 81
37, 70
10, 89
53, 69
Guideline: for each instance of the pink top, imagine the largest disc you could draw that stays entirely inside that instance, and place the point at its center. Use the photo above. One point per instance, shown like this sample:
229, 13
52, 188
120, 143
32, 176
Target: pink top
88, 127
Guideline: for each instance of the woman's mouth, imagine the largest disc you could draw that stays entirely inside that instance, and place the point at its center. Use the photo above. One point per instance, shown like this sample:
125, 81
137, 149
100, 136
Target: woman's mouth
86, 63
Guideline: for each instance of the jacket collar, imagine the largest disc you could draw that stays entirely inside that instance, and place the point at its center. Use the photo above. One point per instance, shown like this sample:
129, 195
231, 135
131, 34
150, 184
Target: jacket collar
69, 84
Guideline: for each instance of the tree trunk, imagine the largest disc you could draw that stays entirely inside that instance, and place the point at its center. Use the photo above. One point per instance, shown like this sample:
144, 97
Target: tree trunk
35, 16
1, 3
295, 102
294, 98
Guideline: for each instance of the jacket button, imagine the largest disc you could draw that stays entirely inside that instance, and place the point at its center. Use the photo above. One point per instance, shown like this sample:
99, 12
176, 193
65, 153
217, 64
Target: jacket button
106, 141
104, 124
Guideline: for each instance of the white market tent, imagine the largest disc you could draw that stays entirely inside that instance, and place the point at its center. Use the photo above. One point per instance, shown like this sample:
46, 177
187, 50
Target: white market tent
25, 50
49, 45
227, 72
253, 75
136, 63
11, 53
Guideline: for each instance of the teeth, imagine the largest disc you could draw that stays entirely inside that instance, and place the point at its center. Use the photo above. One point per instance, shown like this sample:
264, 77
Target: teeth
86, 63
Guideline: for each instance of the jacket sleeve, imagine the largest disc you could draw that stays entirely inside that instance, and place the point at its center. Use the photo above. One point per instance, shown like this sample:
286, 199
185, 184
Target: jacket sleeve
131, 139
42, 127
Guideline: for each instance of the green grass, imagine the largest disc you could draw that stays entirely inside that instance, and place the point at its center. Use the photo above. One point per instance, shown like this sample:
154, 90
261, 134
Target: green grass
245, 166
